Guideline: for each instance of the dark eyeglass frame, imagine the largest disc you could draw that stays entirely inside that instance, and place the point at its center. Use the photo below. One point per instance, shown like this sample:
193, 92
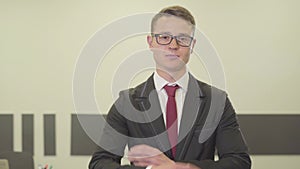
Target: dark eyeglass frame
172, 37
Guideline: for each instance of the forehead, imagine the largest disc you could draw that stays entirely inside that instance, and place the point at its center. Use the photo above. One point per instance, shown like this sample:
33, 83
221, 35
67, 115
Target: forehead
172, 24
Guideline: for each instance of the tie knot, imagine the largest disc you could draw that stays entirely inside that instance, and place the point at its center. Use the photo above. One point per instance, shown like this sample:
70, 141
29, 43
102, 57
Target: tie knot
171, 90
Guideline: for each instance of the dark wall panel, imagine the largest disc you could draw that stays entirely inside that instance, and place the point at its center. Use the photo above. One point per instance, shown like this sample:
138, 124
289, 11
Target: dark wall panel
6, 132
81, 143
271, 134
27, 133
49, 134
265, 134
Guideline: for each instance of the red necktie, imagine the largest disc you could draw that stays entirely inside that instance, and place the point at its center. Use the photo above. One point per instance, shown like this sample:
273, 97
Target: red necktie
172, 117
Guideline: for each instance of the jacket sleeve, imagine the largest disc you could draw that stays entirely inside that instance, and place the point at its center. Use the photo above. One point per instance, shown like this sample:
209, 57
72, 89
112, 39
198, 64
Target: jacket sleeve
112, 142
231, 147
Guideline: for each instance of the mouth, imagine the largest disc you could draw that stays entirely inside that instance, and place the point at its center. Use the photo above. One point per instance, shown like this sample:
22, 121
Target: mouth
172, 56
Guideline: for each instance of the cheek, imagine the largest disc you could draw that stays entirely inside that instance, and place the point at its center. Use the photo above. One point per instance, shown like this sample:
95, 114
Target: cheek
159, 50
186, 54
186, 59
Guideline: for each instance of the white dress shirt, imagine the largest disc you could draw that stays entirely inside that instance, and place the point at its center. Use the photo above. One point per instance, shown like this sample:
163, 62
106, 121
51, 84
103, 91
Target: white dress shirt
160, 82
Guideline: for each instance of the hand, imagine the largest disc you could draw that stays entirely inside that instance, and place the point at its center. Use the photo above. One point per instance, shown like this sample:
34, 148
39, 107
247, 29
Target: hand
144, 155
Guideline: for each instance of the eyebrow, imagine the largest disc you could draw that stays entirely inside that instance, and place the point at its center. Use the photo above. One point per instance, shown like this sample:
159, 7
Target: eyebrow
180, 34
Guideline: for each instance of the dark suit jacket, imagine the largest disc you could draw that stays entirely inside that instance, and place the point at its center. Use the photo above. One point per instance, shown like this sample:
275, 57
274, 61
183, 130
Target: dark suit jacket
208, 124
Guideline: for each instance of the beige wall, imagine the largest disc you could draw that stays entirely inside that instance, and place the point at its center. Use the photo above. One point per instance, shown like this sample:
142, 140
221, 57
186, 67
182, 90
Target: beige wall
40, 41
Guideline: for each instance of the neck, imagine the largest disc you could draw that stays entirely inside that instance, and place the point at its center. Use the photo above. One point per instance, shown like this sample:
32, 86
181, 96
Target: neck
171, 76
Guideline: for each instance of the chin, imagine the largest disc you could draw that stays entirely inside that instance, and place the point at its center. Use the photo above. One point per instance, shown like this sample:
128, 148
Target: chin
173, 68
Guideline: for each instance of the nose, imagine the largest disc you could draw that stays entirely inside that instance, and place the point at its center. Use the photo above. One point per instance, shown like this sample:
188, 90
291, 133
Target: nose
173, 44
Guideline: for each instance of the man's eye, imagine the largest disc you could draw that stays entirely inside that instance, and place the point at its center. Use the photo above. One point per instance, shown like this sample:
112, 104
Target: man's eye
185, 39
164, 37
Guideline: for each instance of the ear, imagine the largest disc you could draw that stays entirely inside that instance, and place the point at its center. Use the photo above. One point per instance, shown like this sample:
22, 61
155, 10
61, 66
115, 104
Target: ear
149, 41
192, 46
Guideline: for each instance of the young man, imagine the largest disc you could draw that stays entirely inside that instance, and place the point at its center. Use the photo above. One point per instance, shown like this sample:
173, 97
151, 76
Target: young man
172, 120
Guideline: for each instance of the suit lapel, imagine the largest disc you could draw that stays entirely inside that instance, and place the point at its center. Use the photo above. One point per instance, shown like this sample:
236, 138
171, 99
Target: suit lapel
150, 104
194, 100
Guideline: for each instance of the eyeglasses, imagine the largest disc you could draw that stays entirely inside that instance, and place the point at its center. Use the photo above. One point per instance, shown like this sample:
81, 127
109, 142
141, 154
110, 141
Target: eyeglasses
166, 39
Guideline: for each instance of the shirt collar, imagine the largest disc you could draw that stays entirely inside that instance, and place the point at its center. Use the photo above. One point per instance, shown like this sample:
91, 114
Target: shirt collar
160, 82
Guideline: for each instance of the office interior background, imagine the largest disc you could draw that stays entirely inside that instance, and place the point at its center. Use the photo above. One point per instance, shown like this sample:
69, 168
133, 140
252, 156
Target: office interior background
257, 42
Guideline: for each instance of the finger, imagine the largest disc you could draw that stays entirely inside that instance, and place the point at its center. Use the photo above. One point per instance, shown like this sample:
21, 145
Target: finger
141, 163
146, 161
138, 159
186, 166
133, 158
143, 150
